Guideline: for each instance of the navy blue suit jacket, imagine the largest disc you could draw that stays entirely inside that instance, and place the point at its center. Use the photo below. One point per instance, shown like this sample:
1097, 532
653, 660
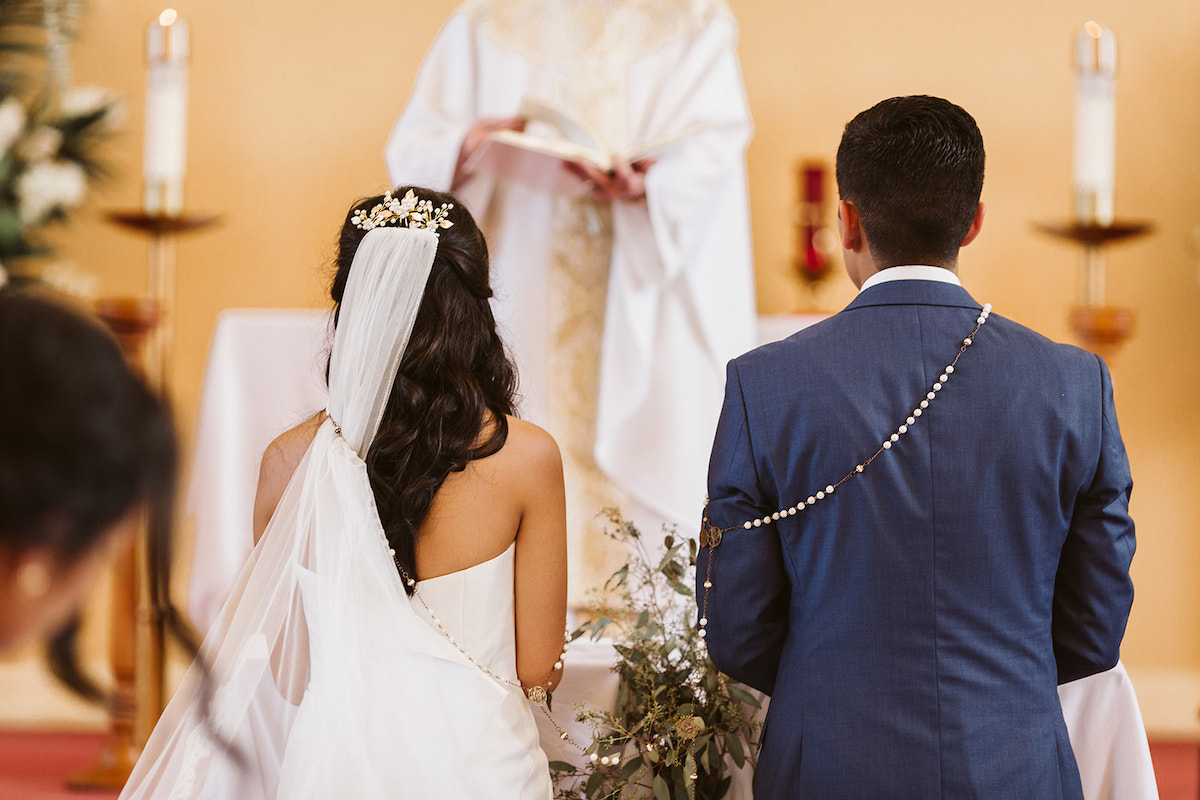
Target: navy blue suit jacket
911, 629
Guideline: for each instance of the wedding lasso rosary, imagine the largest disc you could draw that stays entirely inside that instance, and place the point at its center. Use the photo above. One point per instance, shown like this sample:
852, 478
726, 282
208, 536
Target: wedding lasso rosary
710, 535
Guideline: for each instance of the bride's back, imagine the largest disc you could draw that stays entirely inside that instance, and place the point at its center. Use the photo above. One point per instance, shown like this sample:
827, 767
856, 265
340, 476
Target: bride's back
478, 513
475, 515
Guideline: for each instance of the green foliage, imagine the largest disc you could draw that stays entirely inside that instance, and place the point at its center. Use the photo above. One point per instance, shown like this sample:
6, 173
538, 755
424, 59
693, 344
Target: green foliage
678, 722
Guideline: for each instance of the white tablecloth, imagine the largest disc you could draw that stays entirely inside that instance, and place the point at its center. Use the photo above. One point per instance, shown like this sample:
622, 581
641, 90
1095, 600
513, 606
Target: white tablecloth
265, 373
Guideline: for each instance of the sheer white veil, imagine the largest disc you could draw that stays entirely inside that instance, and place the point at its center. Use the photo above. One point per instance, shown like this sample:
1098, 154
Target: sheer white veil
320, 665
383, 294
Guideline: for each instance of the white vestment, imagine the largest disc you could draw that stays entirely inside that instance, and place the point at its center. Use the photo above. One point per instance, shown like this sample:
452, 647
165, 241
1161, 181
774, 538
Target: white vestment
674, 273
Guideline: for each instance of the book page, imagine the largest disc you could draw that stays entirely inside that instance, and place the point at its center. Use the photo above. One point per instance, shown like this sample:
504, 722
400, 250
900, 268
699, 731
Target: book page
526, 160
537, 156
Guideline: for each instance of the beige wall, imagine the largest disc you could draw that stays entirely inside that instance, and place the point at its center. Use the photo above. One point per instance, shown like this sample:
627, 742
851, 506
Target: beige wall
291, 103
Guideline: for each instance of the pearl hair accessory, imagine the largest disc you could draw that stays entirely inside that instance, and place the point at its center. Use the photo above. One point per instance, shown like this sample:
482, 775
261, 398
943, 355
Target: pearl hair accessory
710, 535
409, 212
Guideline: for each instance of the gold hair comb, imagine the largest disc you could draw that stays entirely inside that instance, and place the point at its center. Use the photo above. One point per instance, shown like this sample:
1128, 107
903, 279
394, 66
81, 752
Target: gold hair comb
408, 212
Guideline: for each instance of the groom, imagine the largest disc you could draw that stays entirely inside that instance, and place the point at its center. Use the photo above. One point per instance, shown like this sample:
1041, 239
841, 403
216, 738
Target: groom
929, 551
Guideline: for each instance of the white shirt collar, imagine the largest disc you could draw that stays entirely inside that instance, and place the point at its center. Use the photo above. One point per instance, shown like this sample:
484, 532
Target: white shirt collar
914, 272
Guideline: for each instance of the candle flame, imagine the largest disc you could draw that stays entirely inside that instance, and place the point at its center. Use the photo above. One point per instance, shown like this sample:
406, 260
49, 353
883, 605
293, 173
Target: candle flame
168, 17
1093, 29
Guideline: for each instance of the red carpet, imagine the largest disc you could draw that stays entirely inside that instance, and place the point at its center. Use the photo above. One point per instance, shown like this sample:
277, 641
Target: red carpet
33, 766
1177, 769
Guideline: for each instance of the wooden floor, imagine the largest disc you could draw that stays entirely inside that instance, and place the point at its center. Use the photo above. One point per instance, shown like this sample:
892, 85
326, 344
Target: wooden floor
34, 766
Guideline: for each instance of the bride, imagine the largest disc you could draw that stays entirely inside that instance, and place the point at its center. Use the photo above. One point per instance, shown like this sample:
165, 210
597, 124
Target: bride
408, 584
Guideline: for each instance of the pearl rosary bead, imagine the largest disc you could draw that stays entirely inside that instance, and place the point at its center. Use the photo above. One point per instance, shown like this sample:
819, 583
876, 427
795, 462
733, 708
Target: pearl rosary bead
892, 439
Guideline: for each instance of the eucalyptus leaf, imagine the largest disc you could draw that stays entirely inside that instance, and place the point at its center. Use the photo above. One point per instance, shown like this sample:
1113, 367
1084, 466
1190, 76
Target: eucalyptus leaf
741, 694
736, 752
661, 790
594, 783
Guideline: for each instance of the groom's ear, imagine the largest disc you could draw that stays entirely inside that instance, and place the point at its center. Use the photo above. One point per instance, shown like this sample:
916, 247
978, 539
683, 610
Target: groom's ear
850, 225
976, 225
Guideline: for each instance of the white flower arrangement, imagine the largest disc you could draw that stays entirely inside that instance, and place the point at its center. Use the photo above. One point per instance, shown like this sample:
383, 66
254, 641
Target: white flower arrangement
47, 187
12, 122
84, 101
49, 132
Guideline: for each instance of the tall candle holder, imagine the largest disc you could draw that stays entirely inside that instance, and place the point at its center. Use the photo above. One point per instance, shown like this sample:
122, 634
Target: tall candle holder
1101, 327
162, 230
145, 326
132, 320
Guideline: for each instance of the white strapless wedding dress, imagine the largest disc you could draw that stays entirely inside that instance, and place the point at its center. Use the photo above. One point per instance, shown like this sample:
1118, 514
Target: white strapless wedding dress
475, 606
331, 682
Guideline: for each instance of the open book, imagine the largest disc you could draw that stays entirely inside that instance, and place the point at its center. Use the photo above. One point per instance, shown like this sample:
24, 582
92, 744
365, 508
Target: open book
536, 156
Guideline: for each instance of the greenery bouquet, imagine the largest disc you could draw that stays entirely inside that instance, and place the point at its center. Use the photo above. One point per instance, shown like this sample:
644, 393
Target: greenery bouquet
678, 724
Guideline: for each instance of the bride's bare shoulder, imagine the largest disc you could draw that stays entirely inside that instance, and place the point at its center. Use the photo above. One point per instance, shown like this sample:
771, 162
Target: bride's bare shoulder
532, 445
279, 463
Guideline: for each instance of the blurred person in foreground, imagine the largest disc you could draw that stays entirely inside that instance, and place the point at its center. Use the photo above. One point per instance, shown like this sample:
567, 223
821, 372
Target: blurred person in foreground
86, 451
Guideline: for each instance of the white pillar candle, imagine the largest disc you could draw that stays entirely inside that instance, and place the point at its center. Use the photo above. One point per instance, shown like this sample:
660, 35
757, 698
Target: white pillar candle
165, 151
1095, 124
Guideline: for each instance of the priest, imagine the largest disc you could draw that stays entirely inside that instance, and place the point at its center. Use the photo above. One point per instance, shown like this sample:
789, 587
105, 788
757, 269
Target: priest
622, 288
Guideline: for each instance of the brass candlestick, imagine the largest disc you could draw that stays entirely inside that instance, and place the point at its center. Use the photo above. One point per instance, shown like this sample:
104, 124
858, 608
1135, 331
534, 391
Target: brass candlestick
162, 230
145, 326
1101, 327
132, 320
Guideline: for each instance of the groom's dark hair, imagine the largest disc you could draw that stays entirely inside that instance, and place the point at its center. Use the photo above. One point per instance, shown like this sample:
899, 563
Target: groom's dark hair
913, 167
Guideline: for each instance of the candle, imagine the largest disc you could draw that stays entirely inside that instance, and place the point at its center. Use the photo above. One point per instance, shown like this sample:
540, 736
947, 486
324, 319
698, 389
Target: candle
814, 183
811, 257
165, 150
1095, 124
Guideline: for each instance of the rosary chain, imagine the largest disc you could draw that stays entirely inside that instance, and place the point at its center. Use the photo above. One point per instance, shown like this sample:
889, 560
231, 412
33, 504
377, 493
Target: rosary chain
710, 535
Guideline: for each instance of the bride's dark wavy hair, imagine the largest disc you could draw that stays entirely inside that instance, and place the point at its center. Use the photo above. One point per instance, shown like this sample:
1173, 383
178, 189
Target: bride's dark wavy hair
454, 381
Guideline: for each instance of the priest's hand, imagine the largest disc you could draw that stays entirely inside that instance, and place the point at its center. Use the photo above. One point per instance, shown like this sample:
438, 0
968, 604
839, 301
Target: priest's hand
475, 136
625, 182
